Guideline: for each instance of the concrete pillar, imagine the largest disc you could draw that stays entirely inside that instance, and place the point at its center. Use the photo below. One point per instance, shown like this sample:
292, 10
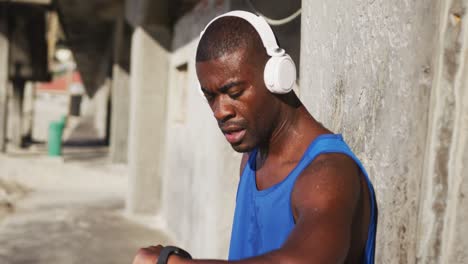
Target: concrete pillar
443, 214
28, 113
120, 93
16, 112
148, 85
366, 73
4, 50
101, 110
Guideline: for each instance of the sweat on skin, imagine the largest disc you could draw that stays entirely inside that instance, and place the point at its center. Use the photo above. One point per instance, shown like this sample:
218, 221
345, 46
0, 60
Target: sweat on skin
331, 222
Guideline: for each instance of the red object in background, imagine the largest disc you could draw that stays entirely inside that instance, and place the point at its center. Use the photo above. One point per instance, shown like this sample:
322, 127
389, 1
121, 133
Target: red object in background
60, 84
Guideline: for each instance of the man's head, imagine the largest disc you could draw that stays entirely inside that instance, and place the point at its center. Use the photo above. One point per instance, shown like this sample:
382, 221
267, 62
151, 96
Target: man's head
230, 62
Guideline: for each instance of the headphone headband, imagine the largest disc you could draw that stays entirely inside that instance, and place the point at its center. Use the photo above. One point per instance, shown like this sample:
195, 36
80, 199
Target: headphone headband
260, 25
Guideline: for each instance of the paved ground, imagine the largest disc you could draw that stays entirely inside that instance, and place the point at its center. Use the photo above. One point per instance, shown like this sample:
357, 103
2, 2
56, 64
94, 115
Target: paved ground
73, 213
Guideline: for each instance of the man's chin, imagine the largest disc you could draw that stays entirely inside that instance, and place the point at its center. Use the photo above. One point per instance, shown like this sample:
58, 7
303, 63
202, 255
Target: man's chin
242, 147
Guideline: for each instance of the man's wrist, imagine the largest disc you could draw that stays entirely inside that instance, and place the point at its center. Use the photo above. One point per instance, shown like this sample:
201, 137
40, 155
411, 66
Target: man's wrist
174, 259
168, 251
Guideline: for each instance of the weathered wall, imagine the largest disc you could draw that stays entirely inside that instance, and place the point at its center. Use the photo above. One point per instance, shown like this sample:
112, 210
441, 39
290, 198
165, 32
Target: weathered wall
118, 149
366, 73
148, 87
443, 211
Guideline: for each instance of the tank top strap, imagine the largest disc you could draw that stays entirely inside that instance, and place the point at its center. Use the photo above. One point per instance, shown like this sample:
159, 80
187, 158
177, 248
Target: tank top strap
326, 143
248, 173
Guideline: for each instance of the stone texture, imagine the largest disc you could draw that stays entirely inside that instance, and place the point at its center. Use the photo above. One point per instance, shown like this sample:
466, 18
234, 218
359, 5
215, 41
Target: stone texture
366, 73
443, 204
120, 115
148, 85
120, 94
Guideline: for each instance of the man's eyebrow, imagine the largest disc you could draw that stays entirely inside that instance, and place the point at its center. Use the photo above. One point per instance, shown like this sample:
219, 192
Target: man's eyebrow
206, 91
226, 87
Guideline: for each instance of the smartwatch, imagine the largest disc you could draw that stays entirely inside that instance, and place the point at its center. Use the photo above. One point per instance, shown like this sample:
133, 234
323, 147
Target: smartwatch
166, 252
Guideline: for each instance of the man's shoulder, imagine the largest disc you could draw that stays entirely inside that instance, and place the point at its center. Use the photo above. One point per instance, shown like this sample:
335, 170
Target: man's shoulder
329, 176
331, 167
331, 162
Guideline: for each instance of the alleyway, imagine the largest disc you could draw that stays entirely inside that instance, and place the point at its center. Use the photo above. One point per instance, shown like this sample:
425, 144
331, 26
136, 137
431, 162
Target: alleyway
72, 214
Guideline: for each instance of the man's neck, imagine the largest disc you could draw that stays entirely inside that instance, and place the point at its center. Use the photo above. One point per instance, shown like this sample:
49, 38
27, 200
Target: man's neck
294, 131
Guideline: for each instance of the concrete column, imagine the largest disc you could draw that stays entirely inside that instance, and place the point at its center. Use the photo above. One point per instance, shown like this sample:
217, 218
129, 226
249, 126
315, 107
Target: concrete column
120, 93
148, 85
16, 112
28, 113
366, 73
443, 215
4, 50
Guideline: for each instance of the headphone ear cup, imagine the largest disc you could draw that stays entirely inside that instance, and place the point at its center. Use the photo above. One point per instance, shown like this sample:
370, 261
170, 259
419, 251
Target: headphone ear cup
280, 74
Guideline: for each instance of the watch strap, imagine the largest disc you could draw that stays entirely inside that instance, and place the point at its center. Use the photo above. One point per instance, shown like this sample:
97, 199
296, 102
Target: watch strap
167, 251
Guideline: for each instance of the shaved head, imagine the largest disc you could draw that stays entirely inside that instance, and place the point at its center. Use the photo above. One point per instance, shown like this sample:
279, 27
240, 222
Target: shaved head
230, 65
226, 35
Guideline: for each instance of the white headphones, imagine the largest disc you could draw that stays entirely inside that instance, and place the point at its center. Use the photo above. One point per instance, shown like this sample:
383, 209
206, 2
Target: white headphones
280, 72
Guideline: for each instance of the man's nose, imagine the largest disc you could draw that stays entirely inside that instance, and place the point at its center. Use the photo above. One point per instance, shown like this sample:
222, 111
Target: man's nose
222, 110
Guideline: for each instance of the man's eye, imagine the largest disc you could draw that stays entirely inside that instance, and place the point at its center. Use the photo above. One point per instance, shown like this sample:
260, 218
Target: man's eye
209, 97
236, 94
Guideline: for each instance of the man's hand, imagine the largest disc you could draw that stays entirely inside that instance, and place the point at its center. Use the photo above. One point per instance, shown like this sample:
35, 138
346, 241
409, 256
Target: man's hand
148, 255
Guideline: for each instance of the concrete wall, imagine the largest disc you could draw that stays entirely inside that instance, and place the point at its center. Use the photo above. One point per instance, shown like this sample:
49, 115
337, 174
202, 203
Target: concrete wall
120, 110
120, 93
443, 211
366, 73
391, 76
148, 87
100, 109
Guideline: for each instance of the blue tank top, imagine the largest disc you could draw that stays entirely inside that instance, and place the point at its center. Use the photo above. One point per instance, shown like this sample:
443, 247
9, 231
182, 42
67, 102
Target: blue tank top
263, 219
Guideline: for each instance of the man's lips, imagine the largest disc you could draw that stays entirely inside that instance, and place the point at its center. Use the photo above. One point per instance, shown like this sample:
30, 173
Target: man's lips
234, 135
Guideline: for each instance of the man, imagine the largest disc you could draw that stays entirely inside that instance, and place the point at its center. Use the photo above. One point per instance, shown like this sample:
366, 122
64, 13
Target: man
303, 196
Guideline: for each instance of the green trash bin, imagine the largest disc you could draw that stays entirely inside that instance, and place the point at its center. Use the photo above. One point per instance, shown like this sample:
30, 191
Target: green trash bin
54, 145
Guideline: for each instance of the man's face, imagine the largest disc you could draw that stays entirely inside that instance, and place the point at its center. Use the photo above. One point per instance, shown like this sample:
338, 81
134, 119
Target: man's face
243, 107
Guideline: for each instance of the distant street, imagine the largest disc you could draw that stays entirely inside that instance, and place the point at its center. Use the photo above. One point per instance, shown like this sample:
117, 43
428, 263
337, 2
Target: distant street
73, 213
